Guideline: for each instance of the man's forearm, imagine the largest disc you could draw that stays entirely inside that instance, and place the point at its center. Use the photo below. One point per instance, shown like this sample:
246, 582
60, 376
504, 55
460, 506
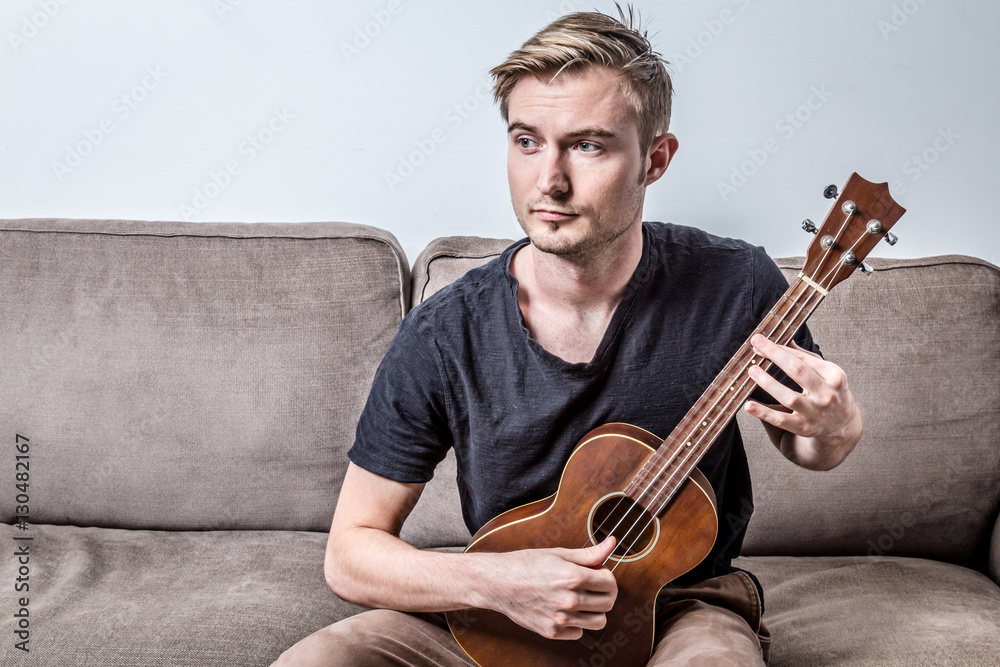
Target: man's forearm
373, 568
554, 592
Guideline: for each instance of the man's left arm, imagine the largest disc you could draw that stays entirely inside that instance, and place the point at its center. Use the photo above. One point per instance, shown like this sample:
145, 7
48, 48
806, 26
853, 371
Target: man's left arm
822, 423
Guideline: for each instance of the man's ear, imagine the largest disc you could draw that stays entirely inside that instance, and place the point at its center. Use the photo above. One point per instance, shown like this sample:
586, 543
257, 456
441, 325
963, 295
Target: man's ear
661, 151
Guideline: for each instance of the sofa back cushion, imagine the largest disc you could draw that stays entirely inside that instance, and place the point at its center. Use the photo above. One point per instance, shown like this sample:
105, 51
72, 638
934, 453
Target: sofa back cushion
191, 375
920, 343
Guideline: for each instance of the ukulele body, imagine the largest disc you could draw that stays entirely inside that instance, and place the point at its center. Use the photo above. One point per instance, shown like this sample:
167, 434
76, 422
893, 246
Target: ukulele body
586, 505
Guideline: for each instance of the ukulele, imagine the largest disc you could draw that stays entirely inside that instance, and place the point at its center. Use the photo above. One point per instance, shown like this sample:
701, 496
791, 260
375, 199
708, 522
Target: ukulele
622, 480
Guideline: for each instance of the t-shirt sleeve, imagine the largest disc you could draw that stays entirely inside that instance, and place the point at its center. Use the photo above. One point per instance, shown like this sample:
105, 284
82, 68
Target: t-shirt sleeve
403, 433
769, 285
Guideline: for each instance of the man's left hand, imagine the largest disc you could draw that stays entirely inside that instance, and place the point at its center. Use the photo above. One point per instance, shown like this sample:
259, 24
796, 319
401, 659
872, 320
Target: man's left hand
823, 423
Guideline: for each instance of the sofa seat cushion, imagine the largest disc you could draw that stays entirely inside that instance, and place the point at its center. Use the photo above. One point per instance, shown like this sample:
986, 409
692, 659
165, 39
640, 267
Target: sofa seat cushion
875, 610
102, 596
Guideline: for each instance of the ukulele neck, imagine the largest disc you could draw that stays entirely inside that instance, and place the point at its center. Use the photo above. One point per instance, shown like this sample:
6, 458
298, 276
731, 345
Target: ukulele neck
670, 465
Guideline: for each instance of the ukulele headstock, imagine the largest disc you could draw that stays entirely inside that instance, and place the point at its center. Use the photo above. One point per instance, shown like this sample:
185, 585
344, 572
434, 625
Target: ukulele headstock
862, 216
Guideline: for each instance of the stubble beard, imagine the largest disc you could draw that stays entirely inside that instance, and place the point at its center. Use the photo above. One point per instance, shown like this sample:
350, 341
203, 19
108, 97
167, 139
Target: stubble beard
590, 245
580, 248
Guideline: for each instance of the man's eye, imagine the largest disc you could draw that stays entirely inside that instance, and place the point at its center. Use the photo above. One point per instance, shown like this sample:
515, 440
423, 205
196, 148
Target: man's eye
587, 147
525, 142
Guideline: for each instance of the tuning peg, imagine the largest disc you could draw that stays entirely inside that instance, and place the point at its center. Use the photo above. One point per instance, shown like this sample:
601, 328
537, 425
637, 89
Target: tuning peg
865, 269
809, 226
891, 238
830, 192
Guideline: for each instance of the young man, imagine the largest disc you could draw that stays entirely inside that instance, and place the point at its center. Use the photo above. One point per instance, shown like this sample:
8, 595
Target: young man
597, 317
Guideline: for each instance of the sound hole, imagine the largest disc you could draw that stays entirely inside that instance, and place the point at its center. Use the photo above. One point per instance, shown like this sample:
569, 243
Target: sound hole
632, 526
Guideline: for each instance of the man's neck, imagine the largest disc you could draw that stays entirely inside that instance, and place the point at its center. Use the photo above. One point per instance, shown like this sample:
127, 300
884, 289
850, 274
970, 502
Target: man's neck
580, 283
567, 302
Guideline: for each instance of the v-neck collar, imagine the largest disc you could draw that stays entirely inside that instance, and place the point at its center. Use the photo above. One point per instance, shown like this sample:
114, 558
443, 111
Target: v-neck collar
611, 333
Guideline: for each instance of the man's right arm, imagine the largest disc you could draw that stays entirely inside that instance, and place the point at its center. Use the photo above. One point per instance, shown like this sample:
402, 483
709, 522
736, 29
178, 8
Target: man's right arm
554, 592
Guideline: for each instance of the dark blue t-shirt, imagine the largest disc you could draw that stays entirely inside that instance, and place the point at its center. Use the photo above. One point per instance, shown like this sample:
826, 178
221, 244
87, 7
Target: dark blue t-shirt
464, 372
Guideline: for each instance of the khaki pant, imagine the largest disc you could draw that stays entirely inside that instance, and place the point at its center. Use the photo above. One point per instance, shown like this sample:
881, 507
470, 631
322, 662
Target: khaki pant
714, 623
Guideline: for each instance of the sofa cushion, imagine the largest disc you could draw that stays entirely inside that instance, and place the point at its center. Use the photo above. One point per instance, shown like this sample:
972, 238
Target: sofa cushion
103, 596
448, 258
436, 519
995, 553
921, 349
877, 610
191, 375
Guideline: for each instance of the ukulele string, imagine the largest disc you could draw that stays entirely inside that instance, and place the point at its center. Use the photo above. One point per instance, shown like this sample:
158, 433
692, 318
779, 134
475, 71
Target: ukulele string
708, 426
781, 319
698, 441
822, 282
764, 361
670, 460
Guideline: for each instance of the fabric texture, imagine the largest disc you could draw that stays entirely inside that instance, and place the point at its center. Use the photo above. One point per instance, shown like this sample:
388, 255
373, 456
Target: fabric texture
995, 553
446, 259
464, 373
102, 597
875, 610
191, 375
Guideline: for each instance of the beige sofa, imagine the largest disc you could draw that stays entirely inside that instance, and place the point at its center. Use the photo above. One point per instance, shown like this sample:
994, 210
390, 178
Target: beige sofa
183, 395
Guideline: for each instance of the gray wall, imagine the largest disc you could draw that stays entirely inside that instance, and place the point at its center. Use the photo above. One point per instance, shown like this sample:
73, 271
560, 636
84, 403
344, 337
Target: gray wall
134, 109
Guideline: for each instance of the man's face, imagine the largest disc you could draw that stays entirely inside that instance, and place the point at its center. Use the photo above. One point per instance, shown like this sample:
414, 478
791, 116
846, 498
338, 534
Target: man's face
577, 178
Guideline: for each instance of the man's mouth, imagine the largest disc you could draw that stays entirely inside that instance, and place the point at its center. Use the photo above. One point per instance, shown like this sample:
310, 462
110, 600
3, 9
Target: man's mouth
552, 214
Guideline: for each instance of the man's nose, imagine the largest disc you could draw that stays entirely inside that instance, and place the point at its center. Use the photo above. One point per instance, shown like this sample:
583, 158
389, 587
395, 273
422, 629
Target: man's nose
553, 181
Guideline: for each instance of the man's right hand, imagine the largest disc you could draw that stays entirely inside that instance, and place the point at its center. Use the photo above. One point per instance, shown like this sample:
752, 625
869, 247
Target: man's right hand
557, 593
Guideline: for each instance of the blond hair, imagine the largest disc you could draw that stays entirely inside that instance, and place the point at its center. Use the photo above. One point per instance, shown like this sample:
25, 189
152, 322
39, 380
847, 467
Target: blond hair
588, 39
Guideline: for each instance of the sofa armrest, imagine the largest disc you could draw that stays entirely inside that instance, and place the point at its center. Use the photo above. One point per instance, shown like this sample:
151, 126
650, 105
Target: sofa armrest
995, 552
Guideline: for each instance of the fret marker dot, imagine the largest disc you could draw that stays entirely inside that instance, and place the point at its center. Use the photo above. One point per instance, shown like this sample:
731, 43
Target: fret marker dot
689, 443
704, 423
